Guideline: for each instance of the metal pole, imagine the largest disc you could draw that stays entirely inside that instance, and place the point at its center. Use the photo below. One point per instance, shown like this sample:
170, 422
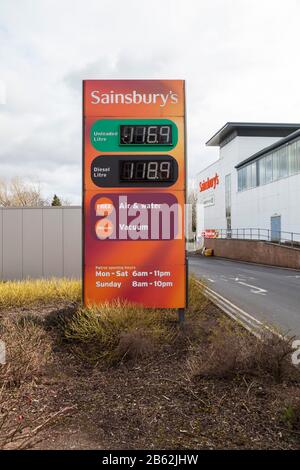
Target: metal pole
181, 315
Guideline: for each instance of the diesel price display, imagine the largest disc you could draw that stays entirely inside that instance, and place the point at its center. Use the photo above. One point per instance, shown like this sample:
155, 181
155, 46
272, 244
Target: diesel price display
146, 135
151, 170
114, 171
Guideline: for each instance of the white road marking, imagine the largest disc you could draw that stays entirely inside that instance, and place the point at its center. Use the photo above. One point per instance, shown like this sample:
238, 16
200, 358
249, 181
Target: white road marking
254, 289
249, 322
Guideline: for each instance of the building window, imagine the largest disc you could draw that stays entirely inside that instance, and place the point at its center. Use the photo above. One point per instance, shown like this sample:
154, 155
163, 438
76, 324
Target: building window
275, 156
228, 200
228, 195
283, 163
262, 170
276, 165
247, 177
241, 179
269, 168
253, 175
298, 156
294, 158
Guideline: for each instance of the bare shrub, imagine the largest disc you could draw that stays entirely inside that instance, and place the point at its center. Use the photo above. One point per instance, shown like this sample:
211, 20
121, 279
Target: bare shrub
134, 345
17, 433
222, 356
19, 192
272, 355
233, 351
291, 416
121, 328
28, 350
95, 333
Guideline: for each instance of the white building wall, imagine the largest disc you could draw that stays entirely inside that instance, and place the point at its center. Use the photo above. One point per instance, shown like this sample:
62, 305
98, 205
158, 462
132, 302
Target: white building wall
246, 146
237, 150
255, 207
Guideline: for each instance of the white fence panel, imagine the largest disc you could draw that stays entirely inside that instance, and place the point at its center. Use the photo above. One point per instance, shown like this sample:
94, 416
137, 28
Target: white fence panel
40, 242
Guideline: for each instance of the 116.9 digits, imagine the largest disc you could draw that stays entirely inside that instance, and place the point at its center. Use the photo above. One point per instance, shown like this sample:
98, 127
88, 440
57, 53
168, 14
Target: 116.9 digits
146, 135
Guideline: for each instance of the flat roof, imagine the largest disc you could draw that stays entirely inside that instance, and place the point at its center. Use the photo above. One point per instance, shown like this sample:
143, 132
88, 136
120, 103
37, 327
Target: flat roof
269, 149
254, 129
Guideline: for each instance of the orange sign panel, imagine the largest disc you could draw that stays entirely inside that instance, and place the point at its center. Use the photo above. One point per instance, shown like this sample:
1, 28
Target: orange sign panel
134, 192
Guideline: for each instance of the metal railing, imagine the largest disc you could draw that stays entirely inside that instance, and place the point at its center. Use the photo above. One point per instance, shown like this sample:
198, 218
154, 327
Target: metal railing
291, 239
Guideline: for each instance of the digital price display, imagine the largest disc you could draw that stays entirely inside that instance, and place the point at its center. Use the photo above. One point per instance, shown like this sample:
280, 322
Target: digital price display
152, 170
138, 171
136, 135
146, 135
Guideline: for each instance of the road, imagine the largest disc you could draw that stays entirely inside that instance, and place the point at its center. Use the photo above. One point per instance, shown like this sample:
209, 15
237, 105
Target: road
271, 295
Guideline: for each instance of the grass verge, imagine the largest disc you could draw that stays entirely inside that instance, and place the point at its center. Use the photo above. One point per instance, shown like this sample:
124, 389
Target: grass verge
120, 330
206, 384
14, 294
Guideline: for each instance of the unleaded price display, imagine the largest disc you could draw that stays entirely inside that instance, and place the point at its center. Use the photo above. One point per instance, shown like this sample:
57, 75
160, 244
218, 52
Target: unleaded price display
146, 135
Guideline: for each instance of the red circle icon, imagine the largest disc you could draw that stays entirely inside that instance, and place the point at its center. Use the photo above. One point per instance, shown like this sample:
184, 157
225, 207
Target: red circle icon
104, 206
104, 229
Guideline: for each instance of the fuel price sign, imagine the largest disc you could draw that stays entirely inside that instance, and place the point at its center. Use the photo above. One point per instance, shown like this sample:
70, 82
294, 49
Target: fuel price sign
134, 192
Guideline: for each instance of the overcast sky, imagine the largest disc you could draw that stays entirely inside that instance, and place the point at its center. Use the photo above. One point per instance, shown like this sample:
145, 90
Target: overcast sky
240, 59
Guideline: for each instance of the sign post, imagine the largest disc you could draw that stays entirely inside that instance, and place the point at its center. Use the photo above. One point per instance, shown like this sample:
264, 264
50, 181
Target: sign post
134, 174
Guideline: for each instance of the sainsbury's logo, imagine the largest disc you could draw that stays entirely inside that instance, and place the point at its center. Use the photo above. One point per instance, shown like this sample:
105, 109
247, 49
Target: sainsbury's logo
133, 98
209, 183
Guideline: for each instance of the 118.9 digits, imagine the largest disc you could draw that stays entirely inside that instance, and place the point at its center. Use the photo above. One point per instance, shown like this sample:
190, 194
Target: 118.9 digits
146, 171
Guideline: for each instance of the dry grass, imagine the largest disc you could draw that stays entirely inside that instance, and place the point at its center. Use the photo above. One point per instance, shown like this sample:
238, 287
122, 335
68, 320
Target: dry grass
134, 345
114, 331
198, 303
291, 417
231, 351
213, 383
120, 330
98, 333
17, 433
28, 350
26, 293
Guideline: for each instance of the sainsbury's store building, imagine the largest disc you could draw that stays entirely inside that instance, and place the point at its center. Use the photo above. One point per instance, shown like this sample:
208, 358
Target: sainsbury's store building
253, 189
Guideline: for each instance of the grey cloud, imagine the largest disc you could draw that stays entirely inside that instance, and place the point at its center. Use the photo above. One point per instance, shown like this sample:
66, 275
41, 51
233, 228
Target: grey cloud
123, 66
